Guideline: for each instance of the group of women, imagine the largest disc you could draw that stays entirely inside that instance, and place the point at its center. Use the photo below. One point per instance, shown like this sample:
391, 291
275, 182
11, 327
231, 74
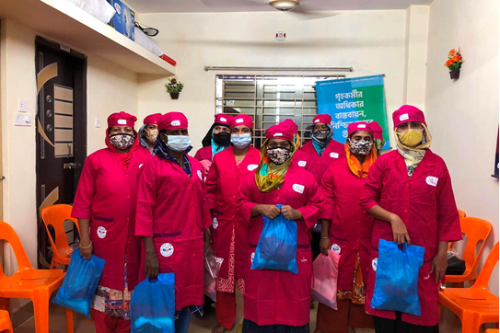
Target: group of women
147, 207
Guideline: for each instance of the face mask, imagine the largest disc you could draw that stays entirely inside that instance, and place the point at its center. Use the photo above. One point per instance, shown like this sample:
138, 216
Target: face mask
411, 138
241, 141
151, 135
122, 141
222, 138
279, 155
321, 135
178, 143
361, 147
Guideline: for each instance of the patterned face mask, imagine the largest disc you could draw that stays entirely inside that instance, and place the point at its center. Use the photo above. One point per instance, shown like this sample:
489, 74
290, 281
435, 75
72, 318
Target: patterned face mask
122, 141
321, 135
279, 155
151, 135
361, 147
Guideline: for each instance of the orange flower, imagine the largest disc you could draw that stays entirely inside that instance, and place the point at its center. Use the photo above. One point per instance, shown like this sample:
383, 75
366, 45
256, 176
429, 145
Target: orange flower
449, 63
452, 52
456, 58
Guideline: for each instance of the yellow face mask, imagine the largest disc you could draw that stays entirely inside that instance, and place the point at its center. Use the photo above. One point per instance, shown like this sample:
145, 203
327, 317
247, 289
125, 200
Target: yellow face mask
411, 138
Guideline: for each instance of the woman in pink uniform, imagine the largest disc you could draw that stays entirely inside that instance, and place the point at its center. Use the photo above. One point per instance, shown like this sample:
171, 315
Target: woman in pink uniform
322, 148
279, 301
409, 193
229, 169
105, 201
148, 133
300, 158
172, 216
343, 227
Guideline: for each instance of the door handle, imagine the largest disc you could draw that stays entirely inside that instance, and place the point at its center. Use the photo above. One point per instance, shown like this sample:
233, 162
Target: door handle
69, 165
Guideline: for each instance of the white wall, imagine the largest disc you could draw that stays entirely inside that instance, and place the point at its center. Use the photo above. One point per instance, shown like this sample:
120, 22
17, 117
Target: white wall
373, 42
110, 88
463, 115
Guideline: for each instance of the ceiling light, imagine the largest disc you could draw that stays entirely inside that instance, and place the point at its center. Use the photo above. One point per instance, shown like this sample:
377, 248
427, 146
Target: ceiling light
284, 5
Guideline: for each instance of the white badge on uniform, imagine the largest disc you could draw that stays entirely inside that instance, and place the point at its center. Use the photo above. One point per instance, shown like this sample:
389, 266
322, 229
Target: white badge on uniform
239, 121
224, 120
215, 223
252, 167
404, 117
140, 165
302, 163
336, 248
167, 250
252, 256
374, 264
362, 126
334, 155
175, 123
122, 122
200, 175
298, 188
101, 232
432, 181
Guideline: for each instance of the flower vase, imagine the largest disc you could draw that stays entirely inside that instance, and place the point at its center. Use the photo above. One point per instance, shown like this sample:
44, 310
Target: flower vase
174, 95
455, 74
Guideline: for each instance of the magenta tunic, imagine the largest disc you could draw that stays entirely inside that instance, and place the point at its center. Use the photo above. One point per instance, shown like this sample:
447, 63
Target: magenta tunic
333, 151
204, 153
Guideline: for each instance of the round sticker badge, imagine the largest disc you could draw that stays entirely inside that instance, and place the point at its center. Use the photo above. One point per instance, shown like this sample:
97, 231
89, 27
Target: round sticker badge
200, 175
101, 232
374, 264
167, 250
215, 223
336, 248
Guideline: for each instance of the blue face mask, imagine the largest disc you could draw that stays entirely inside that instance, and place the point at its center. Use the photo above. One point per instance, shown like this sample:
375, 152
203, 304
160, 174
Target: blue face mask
241, 141
178, 143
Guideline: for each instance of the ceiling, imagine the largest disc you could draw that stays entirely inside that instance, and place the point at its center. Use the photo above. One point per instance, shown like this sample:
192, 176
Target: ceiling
200, 6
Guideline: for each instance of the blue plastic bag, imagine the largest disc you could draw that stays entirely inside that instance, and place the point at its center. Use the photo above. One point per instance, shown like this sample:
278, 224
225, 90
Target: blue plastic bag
79, 285
396, 281
152, 308
277, 247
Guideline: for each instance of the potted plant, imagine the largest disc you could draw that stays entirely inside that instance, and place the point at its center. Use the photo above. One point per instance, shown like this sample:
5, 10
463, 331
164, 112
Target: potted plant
454, 63
174, 87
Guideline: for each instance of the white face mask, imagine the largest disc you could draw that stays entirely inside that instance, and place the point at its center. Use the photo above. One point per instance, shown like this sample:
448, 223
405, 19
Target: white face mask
178, 143
241, 141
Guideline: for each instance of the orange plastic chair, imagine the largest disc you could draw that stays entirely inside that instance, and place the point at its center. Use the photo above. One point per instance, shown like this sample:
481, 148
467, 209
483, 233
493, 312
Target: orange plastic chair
492, 330
461, 214
27, 282
476, 230
5, 324
55, 216
475, 305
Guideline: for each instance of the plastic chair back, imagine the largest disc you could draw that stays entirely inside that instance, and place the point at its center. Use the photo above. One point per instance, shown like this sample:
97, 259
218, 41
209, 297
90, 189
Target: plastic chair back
8, 234
55, 216
461, 214
476, 230
485, 275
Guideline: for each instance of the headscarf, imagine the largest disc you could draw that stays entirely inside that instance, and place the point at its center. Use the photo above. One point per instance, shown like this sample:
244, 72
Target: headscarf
378, 139
319, 145
152, 119
413, 155
268, 175
360, 171
122, 119
220, 120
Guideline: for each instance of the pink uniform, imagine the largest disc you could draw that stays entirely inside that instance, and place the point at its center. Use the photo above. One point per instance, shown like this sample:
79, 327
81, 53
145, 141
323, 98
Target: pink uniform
107, 195
204, 153
278, 297
342, 190
304, 160
426, 204
223, 181
171, 208
333, 151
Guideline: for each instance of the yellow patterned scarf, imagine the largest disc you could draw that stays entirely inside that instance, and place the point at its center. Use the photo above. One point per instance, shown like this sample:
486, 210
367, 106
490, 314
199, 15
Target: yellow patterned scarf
268, 175
413, 155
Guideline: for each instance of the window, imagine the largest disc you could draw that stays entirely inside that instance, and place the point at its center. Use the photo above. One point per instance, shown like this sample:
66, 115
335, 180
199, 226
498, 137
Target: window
270, 99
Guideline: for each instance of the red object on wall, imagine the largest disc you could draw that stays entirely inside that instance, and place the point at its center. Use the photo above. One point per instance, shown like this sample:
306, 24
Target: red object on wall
168, 59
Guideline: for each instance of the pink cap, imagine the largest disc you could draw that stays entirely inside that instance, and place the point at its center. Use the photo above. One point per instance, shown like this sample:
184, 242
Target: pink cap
281, 131
173, 120
223, 119
152, 119
377, 130
322, 119
359, 126
242, 119
293, 126
121, 119
408, 113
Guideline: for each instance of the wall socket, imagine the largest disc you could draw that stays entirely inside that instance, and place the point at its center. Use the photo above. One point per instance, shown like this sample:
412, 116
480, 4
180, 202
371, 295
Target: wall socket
23, 105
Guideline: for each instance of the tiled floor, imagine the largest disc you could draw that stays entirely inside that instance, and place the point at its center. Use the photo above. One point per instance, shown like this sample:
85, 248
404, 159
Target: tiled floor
449, 323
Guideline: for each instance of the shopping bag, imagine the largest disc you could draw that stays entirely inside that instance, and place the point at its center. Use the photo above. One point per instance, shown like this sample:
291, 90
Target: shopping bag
326, 272
80, 283
212, 267
152, 307
277, 247
396, 280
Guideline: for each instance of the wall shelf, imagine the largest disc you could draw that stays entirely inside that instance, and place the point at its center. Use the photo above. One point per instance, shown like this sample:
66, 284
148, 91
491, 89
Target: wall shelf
68, 24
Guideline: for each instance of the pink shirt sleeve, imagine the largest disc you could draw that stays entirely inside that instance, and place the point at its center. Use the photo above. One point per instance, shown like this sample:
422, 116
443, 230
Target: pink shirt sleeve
82, 205
211, 185
373, 187
328, 192
246, 200
204, 208
312, 210
448, 220
146, 201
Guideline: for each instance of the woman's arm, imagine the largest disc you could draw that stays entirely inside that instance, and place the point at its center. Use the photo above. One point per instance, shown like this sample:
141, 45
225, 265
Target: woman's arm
86, 246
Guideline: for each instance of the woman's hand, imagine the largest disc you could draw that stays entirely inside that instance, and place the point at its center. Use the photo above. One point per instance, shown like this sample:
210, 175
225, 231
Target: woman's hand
399, 230
152, 265
269, 211
86, 249
290, 213
440, 261
325, 245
